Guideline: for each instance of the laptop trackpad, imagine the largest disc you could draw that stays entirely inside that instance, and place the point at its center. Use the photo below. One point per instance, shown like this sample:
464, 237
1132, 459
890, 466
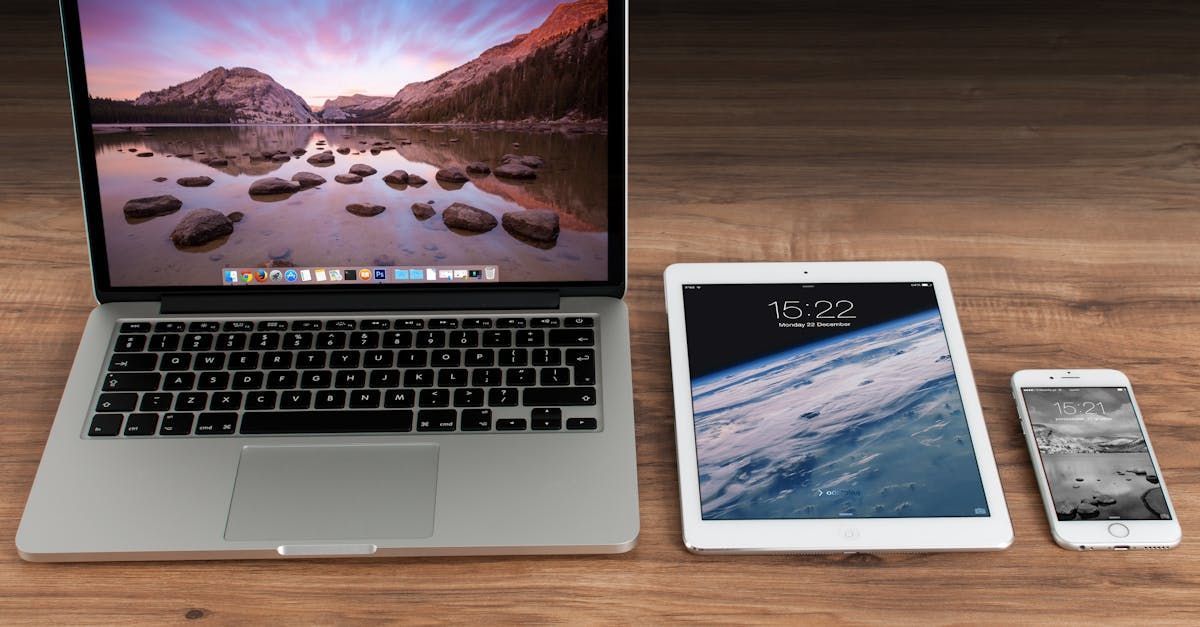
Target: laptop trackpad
334, 492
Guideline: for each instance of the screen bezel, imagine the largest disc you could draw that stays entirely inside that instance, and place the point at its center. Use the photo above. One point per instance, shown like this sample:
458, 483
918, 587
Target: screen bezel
613, 286
1080, 534
991, 532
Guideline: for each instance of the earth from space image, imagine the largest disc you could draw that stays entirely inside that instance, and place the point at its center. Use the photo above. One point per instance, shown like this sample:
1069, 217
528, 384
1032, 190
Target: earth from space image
865, 424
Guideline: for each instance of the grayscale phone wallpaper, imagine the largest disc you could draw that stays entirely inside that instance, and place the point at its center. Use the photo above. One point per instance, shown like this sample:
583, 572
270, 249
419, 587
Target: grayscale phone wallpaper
808, 402
312, 133
1094, 454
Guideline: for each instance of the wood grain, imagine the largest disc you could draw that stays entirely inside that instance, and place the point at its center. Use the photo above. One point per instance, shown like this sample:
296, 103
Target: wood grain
1048, 156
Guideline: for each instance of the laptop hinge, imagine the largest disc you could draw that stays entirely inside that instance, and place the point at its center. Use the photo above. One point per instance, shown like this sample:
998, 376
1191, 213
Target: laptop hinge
414, 301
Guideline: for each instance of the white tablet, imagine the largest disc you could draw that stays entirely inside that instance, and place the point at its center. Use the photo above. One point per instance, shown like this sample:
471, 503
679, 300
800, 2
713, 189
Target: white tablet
827, 407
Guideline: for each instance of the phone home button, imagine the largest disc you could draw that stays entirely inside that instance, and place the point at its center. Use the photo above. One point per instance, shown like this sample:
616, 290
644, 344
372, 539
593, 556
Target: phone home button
1117, 530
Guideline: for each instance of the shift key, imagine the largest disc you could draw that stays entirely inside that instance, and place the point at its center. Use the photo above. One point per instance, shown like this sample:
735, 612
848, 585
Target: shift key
131, 381
559, 397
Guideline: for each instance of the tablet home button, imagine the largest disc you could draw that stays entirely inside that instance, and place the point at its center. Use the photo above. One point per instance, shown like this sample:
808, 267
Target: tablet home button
1118, 530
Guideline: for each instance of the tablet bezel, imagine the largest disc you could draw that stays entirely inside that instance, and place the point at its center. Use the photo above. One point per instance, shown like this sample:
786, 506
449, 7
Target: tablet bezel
992, 532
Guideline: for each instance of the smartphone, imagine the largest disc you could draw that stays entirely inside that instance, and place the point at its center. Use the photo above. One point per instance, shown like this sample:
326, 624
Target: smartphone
1100, 482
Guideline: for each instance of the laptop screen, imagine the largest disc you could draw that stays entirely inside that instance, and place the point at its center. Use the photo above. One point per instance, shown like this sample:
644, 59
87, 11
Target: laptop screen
248, 143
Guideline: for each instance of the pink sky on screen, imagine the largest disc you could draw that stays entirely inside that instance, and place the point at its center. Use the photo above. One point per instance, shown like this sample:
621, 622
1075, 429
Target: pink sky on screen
318, 48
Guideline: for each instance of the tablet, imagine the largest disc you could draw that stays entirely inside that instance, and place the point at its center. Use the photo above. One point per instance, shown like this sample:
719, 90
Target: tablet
827, 407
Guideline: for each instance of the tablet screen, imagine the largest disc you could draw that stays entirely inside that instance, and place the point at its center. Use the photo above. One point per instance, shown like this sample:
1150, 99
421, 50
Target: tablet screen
831, 400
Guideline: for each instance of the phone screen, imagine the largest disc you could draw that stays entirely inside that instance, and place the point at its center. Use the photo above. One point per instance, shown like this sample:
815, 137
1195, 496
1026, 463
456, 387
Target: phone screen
1094, 454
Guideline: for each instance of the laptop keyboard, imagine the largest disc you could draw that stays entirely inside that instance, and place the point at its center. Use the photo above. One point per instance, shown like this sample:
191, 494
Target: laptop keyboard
172, 378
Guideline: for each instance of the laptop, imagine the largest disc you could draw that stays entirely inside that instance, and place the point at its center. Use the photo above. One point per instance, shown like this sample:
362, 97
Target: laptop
359, 268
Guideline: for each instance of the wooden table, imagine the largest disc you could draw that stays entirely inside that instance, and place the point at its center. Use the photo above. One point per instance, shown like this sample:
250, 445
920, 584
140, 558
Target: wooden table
1050, 159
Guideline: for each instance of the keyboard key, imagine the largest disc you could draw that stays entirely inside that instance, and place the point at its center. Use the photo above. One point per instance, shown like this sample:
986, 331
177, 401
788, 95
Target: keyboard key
531, 337
375, 324
377, 359
213, 381
221, 423
141, 424
477, 323
310, 360
546, 419
476, 420
485, 377
313, 379
204, 326
437, 420
468, 397
191, 401
297, 341
339, 325
556, 376
513, 357
350, 378
231, 341
105, 425
510, 424
133, 362
399, 398
131, 381
247, 380
418, 378
443, 323
330, 399
226, 401
544, 323
384, 379
585, 374
560, 397
306, 325
292, 422
163, 342
282, 379
277, 360
511, 323
273, 325
343, 359
209, 361
503, 397
135, 327
578, 321
262, 400
176, 424
547, 356
175, 361
411, 359
452, 377
464, 339
580, 424
579, 356
397, 339
295, 399
157, 401
434, 398
237, 325
410, 323
572, 337
197, 342
497, 339
519, 376
431, 339
130, 343
169, 326
479, 357
180, 381
243, 361
445, 358
264, 341
331, 339
364, 399
364, 339
116, 402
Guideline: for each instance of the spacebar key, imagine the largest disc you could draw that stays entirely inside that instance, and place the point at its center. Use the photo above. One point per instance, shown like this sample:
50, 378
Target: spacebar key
559, 397
290, 422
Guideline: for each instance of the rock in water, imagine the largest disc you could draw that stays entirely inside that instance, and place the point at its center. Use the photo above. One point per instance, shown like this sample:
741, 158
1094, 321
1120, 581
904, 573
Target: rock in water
468, 218
397, 177
1065, 511
365, 210
281, 157
536, 224
236, 216
514, 170
145, 154
159, 179
362, 169
348, 178
529, 161
308, 179
422, 210
195, 181
152, 206
201, 226
273, 185
218, 163
299, 151
1087, 510
282, 252
343, 151
478, 167
415, 180
321, 158
451, 175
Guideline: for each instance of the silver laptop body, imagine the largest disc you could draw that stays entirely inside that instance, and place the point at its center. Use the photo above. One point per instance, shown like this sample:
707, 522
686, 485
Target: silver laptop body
547, 469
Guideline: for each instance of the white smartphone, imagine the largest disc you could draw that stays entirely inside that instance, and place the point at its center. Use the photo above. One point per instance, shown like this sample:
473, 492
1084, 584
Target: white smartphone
1100, 482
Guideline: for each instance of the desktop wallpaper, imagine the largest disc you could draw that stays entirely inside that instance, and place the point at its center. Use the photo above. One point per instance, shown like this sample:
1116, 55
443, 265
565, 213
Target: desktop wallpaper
827, 401
324, 133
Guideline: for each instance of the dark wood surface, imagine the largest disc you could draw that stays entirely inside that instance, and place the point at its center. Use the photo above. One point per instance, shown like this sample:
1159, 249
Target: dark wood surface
1050, 158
